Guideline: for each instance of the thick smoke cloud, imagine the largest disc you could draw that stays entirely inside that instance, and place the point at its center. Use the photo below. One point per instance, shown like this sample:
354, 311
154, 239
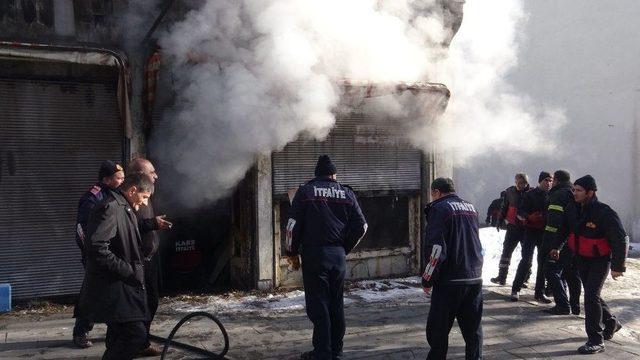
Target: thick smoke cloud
251, 76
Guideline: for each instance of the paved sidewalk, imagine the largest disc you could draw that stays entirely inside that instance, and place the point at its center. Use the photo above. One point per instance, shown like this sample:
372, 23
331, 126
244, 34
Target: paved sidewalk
378, 330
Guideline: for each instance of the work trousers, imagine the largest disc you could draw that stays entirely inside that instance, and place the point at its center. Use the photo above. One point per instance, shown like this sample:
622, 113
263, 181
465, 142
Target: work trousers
323, 273
151, 283
124, 340
531, 240
448, 303
83, 323
511, 239
561, 274
593, 273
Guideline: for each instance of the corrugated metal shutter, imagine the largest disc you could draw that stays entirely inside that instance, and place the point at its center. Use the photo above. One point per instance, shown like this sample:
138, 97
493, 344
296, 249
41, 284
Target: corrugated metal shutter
370, 156
53, 136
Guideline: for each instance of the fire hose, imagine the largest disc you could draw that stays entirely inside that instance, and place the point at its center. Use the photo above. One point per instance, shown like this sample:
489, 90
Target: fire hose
169, 342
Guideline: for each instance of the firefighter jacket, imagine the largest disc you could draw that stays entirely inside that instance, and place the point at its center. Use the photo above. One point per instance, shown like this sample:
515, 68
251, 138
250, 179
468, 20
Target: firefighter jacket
452, 248
87, 203
533, 209
324, 213
597, 232
511, 203
559, 212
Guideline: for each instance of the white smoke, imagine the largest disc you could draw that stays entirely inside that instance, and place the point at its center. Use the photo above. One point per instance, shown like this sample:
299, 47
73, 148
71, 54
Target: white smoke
252, 75
485, 114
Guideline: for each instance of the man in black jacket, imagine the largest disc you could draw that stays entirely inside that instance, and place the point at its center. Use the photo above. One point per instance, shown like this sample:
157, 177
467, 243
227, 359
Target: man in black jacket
493, 212
515, 230
599, 242
148, 223
559, 268
325, 224
532, 213
453, 253
114, 293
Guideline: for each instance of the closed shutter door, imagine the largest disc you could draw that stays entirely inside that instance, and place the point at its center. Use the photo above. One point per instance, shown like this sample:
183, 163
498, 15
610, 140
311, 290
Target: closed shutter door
54, 135
369, 155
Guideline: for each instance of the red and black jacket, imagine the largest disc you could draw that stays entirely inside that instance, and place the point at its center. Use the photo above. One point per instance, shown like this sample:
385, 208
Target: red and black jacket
511, 203
533, 209
596, 232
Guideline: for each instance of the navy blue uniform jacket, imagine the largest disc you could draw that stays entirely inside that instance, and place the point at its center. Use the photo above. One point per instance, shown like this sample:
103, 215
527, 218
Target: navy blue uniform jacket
324, 213
92, 197
452, 244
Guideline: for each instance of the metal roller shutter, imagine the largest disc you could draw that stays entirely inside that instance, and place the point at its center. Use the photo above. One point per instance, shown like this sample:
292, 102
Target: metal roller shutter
53, 136
370, 156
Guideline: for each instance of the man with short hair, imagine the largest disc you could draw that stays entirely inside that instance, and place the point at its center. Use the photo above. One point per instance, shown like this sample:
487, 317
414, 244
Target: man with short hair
599, 241
533, 213
325, 224
453, 254
559, 268
114, 279
515, 230
110, 176
493, 212
148, 224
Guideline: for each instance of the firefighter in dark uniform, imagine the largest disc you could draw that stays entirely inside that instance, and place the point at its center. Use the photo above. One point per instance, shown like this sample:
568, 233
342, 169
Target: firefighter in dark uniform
453, 254
493, 212
600, 243
533, 215
515, 230
559, 267
325, 224
110, 176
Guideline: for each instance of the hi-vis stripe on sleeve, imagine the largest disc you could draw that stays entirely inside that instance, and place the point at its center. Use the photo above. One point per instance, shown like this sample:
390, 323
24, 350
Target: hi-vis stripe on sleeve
551, 229
433, 261
556, 208
289, 234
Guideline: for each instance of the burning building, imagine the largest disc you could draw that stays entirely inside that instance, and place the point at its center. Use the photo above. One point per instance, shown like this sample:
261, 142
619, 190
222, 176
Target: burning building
73, 95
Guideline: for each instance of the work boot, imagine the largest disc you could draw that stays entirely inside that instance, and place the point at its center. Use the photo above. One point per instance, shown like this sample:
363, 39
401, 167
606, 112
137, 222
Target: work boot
82, 341
575, 310
541, 298
611, 328
590, 348
499, 280
149, 352
514, 296
309, 355
557, 311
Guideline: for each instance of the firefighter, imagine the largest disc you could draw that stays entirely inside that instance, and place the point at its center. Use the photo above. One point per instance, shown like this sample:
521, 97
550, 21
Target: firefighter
600, 243
454, 270
559, 267
325, 224
515, 230
532, 213
110, 176
148, 223
493, 212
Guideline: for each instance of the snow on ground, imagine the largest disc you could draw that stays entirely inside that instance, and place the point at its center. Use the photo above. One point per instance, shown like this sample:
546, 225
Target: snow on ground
623, 295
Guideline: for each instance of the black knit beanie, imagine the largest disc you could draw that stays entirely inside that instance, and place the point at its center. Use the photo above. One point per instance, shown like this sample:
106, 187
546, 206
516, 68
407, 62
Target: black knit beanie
543, 175
325, 167
587, 182
108, 168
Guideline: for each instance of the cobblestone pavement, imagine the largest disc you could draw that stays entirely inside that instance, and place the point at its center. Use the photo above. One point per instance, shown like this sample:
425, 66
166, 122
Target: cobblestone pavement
376, 330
